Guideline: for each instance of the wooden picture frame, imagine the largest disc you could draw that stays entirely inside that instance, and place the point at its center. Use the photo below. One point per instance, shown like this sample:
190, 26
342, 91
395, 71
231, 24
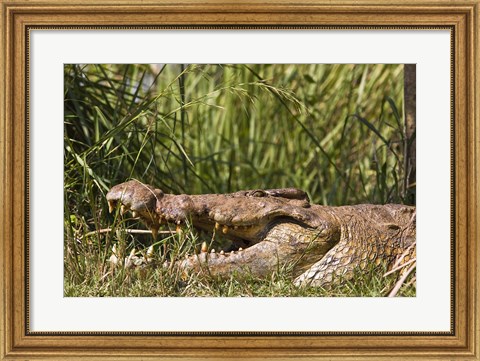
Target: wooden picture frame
17, 342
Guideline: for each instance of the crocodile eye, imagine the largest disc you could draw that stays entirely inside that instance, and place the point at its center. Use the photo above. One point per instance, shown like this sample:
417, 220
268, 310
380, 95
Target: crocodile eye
258, 193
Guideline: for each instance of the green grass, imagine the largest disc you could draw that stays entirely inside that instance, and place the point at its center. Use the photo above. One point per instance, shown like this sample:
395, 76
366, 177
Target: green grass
335, 131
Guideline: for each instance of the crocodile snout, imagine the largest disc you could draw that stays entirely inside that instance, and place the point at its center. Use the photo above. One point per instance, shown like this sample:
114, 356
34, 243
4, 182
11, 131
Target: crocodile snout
134, 195
139, 198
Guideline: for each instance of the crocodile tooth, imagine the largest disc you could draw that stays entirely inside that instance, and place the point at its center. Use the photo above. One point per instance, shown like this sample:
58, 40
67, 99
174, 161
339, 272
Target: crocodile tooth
204, 247
213, 250
222, 252
134, 214
240, 249
225, 229
123, 209
217, 225
111, 206
179, 229
154, 231
178, 222
132, 253
114, 249
113, 260
150, 251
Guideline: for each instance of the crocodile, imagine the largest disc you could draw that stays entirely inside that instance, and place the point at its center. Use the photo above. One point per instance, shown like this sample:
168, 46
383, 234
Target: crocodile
276, 227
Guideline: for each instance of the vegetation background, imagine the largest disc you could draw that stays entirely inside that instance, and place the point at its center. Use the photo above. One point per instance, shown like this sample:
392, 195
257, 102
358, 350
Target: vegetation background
335, 131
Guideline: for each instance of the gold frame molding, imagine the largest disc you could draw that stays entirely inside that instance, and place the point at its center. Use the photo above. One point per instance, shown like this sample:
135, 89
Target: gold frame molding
17, 342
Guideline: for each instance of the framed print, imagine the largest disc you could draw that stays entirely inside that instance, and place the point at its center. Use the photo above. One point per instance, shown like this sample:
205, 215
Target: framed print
204, 180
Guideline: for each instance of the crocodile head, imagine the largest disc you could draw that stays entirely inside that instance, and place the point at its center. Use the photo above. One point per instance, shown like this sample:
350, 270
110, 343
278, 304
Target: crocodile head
244, 216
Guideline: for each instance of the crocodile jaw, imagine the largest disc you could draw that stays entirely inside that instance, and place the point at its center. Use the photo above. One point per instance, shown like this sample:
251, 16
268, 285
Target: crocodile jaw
248, 220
